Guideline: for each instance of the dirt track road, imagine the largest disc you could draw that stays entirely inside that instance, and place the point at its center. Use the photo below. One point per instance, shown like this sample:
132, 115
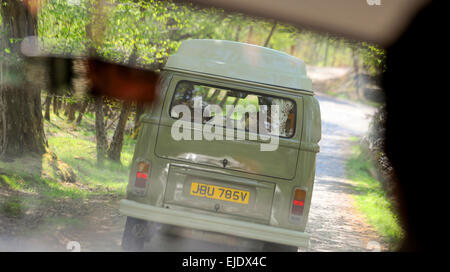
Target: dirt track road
334, 223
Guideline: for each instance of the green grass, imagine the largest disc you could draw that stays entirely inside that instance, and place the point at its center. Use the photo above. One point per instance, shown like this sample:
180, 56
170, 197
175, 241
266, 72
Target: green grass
32, 185
12, 207
75, 145
28, 191
371, 199
81, 156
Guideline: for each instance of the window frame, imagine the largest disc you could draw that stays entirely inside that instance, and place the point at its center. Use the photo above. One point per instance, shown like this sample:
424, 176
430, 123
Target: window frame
238, 90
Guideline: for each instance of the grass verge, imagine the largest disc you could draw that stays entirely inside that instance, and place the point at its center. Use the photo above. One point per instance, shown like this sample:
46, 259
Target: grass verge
371, 199
33, 189
75, 145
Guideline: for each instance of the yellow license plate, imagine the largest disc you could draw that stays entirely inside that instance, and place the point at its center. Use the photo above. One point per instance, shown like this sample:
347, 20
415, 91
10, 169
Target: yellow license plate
220, 193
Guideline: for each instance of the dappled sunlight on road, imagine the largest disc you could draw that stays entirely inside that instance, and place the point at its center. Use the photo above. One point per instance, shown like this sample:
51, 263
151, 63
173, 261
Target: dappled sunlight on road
334, 223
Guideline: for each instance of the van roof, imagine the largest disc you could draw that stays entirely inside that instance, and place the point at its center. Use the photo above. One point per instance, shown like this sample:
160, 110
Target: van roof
241, 61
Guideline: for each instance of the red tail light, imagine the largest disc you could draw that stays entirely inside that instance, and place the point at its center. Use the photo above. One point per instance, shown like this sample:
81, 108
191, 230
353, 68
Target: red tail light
298, 205
142, 174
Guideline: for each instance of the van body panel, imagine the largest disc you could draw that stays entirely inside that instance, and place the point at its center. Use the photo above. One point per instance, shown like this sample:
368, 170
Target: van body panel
242, 61
259, 196
241, 155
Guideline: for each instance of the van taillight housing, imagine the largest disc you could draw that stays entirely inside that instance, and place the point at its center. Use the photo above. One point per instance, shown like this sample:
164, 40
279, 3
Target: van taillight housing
142, 174
298, 205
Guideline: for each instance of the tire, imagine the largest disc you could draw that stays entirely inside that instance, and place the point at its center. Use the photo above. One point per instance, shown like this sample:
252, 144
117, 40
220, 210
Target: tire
135, 234
272, 247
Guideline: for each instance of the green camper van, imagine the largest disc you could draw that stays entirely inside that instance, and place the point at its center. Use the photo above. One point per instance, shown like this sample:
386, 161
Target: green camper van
201, 164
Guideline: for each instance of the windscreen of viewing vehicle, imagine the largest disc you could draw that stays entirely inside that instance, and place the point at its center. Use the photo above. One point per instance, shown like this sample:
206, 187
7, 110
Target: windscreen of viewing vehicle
255, 109
68, 140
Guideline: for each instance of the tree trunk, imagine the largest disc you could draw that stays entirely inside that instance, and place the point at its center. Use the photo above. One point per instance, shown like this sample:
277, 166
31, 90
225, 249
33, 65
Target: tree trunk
56, 105
356, 69
115, 147
21, 122
213, 99
270, 34
327, 44
83, 108
223, 101
100, 132
139, 112
238, 33
250, 35
314, 51
337, 48
72, 108
65, 106
48, 101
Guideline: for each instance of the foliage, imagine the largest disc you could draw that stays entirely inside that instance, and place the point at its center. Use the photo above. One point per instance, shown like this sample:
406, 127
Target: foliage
62, 26
373, 58
154, 30
372, 200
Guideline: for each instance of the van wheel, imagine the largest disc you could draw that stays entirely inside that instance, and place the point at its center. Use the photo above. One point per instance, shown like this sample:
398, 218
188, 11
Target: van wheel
272, 247
135, 234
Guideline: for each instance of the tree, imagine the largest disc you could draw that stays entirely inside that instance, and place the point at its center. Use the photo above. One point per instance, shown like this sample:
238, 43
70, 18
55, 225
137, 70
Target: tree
48, 101
238, 33
272, 30
115, 148
83, 108
56, 105
71, 109
327, 45
137, 116
21, 122
100, 132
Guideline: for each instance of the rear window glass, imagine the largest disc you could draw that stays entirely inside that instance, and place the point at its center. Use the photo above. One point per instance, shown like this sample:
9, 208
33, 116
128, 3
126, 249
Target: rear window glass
257, 106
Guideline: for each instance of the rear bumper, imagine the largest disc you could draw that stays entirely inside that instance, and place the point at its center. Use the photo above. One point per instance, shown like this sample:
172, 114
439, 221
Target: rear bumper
215, 224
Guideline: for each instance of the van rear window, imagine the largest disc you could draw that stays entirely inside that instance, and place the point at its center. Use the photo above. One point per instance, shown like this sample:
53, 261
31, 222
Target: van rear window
256, 107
